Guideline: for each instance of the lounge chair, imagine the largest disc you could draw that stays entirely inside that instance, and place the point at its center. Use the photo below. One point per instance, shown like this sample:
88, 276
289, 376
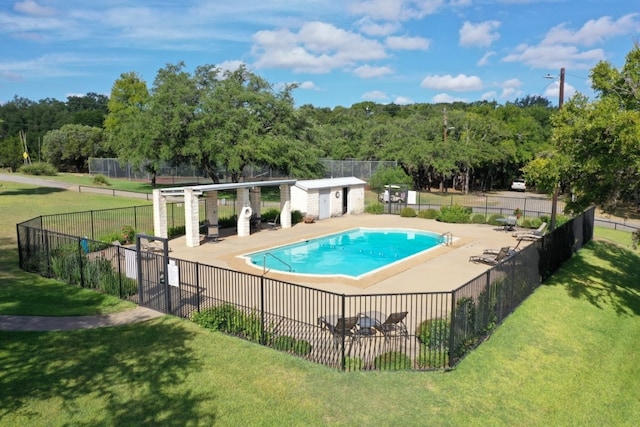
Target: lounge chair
274, 223
512, 250
533, 234
490, 259
393, 325
344, 327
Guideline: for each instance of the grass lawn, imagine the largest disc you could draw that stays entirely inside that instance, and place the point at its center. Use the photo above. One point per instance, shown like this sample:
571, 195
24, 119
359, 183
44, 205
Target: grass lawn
567, 357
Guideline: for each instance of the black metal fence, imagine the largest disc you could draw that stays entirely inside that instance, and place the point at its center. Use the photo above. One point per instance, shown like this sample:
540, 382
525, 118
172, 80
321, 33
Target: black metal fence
431, 330
484, 204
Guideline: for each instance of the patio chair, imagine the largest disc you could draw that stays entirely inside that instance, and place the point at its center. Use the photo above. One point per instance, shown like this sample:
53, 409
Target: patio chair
393, 325
497, 251
274, 223
343, 325
539, 232
490, 259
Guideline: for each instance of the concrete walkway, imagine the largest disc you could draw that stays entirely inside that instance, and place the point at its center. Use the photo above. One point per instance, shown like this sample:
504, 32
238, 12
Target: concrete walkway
70, 323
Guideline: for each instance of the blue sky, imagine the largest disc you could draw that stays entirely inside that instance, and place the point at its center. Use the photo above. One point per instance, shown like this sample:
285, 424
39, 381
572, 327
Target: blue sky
340, 52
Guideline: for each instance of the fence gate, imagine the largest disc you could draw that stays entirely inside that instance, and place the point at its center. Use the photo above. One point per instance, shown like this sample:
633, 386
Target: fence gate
152, 262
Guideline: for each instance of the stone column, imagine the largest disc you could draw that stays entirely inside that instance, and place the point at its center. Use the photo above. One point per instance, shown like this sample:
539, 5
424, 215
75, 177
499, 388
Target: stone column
211, 203
159, 214
191, 218
285, 206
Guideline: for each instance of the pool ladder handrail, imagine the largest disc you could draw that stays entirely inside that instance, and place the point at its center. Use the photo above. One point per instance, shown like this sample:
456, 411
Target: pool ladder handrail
447, 237
264, 263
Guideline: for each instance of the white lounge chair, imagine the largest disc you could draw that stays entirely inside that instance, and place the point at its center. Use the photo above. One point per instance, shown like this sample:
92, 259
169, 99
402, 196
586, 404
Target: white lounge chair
274, 224
531, 234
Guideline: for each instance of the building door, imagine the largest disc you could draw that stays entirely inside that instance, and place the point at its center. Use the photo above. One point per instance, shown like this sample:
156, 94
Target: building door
345, 201
324, 204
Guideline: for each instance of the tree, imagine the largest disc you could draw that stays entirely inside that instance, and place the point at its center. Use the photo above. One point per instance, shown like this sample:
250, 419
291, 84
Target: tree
240, 121
69, 147
600, 140
126, 124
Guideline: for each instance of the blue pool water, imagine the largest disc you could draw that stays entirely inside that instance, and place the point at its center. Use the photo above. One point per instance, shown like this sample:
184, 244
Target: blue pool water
349, 253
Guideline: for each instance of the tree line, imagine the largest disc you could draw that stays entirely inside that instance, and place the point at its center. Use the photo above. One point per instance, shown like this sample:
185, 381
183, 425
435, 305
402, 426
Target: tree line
221, 120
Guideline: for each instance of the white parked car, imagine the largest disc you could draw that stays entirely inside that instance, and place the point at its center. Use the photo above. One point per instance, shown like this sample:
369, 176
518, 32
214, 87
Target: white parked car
518, 185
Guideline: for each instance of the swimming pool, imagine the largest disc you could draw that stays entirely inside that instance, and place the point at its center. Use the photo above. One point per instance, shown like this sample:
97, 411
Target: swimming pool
352, 253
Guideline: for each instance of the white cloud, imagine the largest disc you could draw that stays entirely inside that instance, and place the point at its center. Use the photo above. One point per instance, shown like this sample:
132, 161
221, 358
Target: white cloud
553, 91
555, 56
489, 96
446, 98
485, 58
594, 31
230, 65
367, 71
317, 47
30, 7
508, 93
396, 10
560, 46
308, 85
481, 34
511, 83
375, 95
402, 100
408, 43
371, 28
459, 83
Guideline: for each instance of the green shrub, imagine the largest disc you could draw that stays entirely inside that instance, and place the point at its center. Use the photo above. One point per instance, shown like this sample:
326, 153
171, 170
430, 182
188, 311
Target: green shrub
408, 212
65, 262
493, 220
100, 274
467, 330
270, 214
176, 231
128, 234
392, 361
455, 214
431, 359
111, 237
478, 219
284, 343
560, 219
532, 222
434, 333
292, 345
100, 180
228, 222
296, 217
39, 168
375, 209
229, 319
428, 213
353, 364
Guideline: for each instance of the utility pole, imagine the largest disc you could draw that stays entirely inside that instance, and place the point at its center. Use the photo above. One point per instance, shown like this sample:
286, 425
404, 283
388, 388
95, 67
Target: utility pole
556, 191
446, 124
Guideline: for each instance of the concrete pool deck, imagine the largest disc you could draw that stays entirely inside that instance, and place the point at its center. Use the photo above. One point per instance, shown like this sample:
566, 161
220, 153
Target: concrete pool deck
441, 269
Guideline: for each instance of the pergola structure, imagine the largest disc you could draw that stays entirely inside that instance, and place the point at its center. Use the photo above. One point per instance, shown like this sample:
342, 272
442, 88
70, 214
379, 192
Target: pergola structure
248, 200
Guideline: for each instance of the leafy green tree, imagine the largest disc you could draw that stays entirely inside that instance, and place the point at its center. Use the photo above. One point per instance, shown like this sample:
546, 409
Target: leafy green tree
601, 139
388, 176
11, 153
241, 121
127, 124
69, 147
